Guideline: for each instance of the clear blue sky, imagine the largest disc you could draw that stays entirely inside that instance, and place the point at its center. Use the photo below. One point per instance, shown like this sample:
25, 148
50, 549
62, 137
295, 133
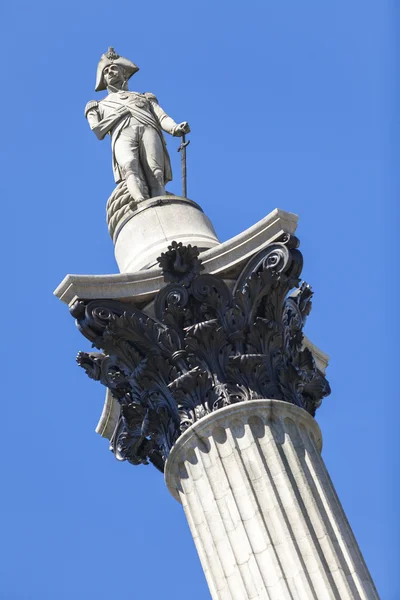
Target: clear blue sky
292, 104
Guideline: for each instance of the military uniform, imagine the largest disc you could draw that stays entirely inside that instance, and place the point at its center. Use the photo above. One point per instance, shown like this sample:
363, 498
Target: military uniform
135, 123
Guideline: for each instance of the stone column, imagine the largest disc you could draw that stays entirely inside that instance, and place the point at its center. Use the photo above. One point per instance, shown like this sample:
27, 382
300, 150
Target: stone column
262, 509
191, 372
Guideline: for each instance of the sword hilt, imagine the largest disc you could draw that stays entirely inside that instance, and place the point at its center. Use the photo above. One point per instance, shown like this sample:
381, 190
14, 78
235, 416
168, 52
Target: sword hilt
184, 143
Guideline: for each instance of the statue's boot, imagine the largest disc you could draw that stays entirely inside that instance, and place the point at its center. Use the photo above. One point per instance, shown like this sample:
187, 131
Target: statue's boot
134, 186
157, 187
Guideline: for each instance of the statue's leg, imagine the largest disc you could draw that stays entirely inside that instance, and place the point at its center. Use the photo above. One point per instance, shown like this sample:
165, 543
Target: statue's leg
127, 156
152, 158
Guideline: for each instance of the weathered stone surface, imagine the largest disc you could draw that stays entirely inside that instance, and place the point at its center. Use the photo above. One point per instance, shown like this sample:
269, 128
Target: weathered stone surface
262, 509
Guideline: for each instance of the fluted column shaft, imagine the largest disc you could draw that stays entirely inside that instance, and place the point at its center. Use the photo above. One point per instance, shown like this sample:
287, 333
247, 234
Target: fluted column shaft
262, 509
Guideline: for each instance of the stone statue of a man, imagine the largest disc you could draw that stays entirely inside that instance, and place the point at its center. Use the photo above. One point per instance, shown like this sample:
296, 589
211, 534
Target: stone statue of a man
135, 123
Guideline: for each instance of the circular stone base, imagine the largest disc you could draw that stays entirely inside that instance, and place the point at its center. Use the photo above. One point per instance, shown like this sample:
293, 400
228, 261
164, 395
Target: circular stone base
144, 234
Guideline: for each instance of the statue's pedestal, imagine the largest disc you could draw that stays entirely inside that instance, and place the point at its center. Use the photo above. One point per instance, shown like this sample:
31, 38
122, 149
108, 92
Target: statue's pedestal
141, 235
225, 259
262, 509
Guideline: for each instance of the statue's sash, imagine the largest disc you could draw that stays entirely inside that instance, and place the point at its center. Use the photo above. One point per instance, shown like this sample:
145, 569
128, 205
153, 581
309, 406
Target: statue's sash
145, 117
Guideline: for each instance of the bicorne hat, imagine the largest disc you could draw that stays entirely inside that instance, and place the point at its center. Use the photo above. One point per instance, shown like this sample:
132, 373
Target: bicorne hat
109, 58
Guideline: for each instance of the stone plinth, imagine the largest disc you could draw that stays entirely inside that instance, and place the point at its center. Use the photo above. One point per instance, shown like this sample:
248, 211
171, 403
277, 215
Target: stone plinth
262, 509
142, 235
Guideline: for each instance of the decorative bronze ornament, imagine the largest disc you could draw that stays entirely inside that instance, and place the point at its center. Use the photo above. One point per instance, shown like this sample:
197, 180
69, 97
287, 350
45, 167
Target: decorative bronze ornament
205, 348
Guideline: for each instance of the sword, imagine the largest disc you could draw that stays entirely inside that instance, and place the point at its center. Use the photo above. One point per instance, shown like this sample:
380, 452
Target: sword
182, 150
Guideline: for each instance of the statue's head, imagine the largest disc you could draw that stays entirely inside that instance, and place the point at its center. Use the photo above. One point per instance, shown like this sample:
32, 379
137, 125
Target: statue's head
115, 75
114, 70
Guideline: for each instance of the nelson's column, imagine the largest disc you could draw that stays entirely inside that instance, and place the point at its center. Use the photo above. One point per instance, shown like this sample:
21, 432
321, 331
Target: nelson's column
208, 375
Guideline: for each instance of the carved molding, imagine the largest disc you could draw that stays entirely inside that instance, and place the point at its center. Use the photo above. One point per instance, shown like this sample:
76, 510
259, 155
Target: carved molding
206, 347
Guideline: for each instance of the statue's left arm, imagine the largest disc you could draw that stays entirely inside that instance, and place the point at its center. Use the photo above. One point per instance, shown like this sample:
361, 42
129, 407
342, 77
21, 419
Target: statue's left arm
166, 122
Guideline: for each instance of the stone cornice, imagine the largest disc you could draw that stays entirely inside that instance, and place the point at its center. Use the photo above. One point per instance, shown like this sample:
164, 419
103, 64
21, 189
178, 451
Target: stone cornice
225, 259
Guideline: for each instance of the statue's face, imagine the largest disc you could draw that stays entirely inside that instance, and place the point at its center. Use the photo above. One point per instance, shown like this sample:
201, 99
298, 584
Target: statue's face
114, 75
